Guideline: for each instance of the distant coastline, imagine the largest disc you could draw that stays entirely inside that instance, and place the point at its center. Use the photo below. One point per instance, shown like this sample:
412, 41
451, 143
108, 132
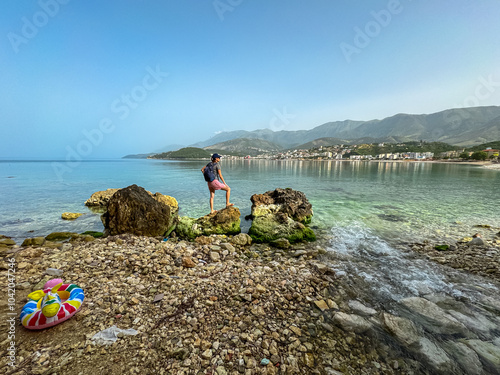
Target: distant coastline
486, 164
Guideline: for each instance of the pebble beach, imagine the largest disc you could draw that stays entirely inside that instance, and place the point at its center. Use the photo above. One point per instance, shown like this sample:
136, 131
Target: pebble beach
214, 306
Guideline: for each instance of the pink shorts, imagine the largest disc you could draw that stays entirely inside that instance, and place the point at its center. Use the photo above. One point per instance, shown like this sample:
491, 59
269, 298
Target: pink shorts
215, 185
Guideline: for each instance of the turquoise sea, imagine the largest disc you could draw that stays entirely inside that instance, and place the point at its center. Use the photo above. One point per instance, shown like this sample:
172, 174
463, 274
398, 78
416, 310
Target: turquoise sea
398, 201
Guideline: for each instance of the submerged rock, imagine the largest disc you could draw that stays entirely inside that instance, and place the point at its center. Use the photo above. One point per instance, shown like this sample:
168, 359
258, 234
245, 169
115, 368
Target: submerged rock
435, 355
466, 357
403, 329
487, 351
434, 318
361, 309
225, 221
70, 215
476, 241
352, 322
134, 210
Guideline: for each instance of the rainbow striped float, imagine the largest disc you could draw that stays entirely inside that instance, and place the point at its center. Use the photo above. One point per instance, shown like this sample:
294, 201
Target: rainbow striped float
54, 304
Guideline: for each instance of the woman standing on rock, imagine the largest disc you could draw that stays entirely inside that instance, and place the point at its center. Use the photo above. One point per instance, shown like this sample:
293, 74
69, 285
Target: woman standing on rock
213, 176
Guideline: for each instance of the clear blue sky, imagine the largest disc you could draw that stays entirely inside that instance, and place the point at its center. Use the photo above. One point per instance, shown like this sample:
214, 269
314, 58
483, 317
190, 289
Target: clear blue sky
108, 78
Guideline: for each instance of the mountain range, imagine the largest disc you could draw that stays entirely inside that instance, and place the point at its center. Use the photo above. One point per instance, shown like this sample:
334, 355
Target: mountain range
461, 127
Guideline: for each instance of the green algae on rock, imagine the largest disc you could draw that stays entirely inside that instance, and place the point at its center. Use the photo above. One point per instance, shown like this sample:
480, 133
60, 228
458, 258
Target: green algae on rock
225, 221
281, 214
60, 236
270, 228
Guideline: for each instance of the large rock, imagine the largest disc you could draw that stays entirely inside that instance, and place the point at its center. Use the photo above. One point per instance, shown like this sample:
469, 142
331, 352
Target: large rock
281, 214
225, 221
292, 203
134, 210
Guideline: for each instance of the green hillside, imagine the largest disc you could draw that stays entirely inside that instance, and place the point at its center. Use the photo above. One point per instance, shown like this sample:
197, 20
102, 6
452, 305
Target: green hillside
184, 153
494, 145
245, 146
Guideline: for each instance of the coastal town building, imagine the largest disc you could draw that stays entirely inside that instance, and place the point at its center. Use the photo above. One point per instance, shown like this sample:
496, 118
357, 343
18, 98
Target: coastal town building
492, 152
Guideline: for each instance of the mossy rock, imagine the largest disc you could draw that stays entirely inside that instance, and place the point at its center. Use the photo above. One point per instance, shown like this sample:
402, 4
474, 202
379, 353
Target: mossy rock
307, 220
281, 243
442, 247
6, 242
273, 227
60, 236
187, 228
226, 221
93, 234
35, 241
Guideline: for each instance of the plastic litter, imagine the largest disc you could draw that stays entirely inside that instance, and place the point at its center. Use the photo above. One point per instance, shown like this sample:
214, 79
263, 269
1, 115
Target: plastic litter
111, 334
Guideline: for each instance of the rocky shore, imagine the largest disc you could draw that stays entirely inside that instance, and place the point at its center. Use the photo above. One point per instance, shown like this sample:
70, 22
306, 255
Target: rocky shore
219, 305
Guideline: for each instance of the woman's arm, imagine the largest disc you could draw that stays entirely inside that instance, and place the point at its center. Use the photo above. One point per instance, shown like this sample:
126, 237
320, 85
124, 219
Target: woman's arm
222, 178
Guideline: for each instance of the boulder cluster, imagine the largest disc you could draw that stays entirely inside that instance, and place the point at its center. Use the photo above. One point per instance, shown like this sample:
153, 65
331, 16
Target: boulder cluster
280, 216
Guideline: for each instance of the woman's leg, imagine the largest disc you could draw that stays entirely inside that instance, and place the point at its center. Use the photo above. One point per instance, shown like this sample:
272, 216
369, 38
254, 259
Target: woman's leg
228, 194
212, 193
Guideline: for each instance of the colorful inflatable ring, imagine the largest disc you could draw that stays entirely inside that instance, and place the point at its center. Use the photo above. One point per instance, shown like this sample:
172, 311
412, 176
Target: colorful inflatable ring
52, 305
